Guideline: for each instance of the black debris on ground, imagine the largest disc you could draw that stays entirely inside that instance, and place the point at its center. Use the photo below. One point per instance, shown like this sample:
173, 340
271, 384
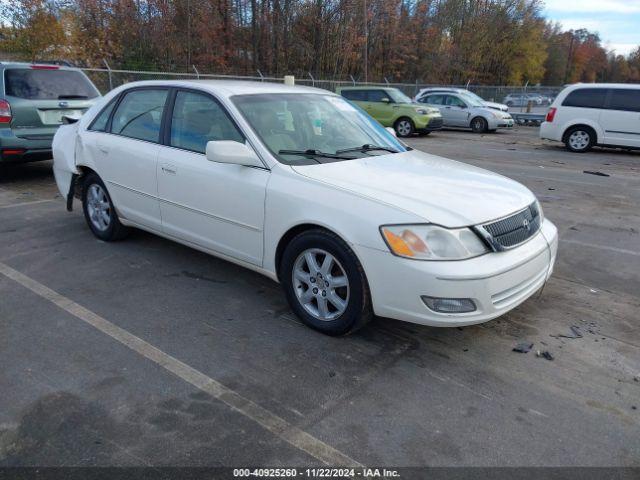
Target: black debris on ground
599, 174
545, 354
575, 333
523, 347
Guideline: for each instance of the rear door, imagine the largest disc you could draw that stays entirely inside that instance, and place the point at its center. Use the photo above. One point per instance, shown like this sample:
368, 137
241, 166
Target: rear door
437, 100
620, 119
41, 95
127, 154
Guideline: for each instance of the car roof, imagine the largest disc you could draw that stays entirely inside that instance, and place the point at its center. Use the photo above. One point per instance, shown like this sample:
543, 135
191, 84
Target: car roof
51, 66
230, 88
603, 85
370, 87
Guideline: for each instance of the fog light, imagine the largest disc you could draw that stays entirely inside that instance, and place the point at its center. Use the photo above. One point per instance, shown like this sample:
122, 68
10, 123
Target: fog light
449, 305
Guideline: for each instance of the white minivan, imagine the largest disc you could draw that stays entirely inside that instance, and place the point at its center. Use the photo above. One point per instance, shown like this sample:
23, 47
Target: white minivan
584, 115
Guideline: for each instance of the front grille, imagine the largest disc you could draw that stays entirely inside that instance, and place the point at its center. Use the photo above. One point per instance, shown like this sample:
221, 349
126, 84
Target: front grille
517, 228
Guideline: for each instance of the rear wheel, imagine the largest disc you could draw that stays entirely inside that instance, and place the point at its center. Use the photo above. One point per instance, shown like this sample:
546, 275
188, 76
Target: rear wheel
404, 127
99, 211
479, 125
579, 139
325, 283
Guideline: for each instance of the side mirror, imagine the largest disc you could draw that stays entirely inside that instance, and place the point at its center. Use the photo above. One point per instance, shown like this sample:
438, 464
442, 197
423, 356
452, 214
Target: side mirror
385, 100
391, 131
228, 151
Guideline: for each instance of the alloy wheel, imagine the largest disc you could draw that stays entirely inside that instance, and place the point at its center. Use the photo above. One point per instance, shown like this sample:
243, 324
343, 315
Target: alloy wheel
404, 128
321, 284
579, 140
98, 207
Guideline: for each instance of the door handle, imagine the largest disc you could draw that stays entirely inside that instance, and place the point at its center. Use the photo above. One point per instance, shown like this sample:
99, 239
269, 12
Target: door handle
168, 169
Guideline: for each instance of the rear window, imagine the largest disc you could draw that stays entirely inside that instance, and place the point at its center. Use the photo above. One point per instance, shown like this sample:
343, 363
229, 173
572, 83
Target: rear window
357, 95
586, 98
625, 99
48, 84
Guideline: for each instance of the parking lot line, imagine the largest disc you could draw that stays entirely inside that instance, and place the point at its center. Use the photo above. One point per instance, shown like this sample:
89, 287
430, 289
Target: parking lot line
273, 423
601, 247
25, 203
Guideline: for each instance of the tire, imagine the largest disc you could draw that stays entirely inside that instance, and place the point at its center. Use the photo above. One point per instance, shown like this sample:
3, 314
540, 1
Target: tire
308, 284
99, 211
479, 125
579, 139
404, 127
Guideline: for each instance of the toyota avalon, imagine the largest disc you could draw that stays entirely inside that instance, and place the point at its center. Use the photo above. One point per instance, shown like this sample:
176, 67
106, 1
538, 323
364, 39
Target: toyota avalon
298, 184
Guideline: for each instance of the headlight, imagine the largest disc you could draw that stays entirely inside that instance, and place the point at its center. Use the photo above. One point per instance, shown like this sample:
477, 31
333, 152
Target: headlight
431, 242
422, 111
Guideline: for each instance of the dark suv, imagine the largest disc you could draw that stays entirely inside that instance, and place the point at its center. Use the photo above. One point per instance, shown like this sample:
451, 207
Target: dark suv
33, 101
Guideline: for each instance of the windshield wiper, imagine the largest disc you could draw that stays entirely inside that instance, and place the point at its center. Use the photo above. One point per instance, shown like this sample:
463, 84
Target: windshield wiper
367, 147
311, 153
72, 97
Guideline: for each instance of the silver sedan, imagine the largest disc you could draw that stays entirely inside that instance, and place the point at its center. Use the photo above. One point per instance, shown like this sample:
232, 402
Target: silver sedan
463, 111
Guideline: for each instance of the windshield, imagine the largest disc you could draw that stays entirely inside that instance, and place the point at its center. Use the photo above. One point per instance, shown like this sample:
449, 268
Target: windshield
48, 84
473, 95
309, 122
472, 99
398, 97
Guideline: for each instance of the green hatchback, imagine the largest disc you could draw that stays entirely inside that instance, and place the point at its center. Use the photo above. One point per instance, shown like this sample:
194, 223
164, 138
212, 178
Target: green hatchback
392, 108
34, 99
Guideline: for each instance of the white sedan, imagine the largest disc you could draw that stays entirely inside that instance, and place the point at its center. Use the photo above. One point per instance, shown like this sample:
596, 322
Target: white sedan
299, 185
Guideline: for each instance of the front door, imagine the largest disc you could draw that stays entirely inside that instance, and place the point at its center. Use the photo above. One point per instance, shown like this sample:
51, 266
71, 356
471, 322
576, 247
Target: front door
456, 111
381, 107
213, 205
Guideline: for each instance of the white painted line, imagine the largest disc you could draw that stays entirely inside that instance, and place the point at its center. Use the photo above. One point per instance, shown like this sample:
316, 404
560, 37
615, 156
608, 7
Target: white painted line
602, 247
25, 203
273, 423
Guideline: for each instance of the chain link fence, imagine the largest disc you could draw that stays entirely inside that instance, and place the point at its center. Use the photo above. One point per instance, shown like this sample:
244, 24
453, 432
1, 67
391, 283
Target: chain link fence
106, 79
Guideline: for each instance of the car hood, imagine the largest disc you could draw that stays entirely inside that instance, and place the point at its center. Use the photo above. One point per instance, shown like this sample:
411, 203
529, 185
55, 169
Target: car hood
436, 189
497, 106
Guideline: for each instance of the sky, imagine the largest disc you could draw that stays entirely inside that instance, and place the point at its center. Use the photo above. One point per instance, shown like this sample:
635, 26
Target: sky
617, 21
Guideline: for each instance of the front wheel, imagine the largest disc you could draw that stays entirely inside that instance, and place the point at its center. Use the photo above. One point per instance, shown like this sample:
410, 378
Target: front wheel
479, 125
404, 127
99, 211
325, 284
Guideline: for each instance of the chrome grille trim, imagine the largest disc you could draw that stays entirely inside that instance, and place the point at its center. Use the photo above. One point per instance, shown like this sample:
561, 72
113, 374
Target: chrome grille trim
513, 230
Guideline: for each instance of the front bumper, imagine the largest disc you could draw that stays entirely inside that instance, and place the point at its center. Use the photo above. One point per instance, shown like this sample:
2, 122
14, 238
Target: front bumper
428, 123
497, 282
496, 123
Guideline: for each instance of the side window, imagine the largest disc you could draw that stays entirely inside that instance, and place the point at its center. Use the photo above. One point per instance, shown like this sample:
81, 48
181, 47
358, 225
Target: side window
377, 95
627, 100
586, 98
99, 123
198, 119
434, 100
455, 101
355, 95
139, 115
